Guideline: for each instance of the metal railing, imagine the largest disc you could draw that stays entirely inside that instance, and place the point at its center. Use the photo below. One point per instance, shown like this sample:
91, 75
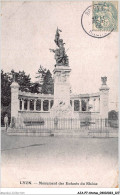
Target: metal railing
64, 123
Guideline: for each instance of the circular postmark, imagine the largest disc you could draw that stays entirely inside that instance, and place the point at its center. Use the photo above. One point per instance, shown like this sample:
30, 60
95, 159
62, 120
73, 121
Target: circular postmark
99, 20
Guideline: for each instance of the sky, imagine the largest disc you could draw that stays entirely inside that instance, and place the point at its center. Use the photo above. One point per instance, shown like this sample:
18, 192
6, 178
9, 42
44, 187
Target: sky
28, 31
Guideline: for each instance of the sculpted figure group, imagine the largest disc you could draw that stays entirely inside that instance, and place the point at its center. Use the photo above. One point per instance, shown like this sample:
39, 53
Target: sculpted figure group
60, 54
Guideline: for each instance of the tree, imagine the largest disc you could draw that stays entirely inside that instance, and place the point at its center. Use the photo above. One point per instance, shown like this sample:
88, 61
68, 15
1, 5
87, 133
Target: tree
34, 88
44, 83
48, 86
25, 84
41, 74
5, 89
22, 79
5, 96
6, 80
37, 86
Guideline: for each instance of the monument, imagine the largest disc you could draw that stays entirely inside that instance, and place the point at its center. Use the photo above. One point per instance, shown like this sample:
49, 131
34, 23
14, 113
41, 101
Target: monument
40, 107
104, 97
61, 107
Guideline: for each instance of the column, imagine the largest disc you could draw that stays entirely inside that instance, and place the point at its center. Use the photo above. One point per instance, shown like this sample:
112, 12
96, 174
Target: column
14, 99
35, 104
28, 104
48, 105
87, 105
22, 104
73, 105
104, 98
41, 105
80, 105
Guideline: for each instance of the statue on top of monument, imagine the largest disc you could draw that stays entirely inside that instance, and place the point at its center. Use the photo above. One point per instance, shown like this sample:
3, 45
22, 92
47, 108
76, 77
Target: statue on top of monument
60, 54
104, 80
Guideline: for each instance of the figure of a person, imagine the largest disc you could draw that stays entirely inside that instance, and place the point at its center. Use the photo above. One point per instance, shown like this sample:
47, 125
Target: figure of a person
6, 121
60, 54
57, 36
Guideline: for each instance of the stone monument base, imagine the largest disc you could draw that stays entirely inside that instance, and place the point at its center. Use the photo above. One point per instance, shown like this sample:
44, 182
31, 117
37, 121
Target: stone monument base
61, 112
61, 107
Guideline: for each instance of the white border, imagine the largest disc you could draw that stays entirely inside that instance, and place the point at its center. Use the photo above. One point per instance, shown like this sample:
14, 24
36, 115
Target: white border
60, 190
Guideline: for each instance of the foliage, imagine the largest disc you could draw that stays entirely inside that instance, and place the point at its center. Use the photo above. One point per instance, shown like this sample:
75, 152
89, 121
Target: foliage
5, 89
34, 88
44, 83
48, 86
41, 72
113, 115
6, 80
24, 81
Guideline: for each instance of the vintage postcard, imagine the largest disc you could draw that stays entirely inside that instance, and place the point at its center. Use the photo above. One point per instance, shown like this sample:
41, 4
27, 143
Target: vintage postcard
59, 94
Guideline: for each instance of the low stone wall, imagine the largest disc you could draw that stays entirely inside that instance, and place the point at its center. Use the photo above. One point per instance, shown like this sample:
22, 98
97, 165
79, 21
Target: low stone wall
78, 115
33, 114
95, 115
84, 115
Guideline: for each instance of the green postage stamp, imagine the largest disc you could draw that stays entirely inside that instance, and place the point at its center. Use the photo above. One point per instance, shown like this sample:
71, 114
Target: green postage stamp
105, 16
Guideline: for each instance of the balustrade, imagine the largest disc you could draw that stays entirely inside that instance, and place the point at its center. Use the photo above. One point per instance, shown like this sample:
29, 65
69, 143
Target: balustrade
35, 104
43, 105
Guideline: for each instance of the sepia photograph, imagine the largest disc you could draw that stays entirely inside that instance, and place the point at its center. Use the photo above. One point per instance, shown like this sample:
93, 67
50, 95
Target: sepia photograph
59, 94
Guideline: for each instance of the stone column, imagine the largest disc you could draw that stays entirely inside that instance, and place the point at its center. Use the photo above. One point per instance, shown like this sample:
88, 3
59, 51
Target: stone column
35, 104
73, 105
14, 99
28, 104
87, 105
22, 104
41, 105
48, 105
104, 98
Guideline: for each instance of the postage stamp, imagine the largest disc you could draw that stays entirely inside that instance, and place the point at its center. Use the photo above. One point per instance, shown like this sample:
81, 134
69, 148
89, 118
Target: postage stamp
105, 16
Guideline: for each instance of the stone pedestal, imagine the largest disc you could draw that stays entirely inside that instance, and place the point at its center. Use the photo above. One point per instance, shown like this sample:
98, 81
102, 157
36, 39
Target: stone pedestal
61, 107
104, 101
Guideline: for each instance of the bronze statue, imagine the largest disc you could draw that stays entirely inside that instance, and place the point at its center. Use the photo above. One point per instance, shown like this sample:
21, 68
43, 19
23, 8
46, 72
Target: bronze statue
60, 54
